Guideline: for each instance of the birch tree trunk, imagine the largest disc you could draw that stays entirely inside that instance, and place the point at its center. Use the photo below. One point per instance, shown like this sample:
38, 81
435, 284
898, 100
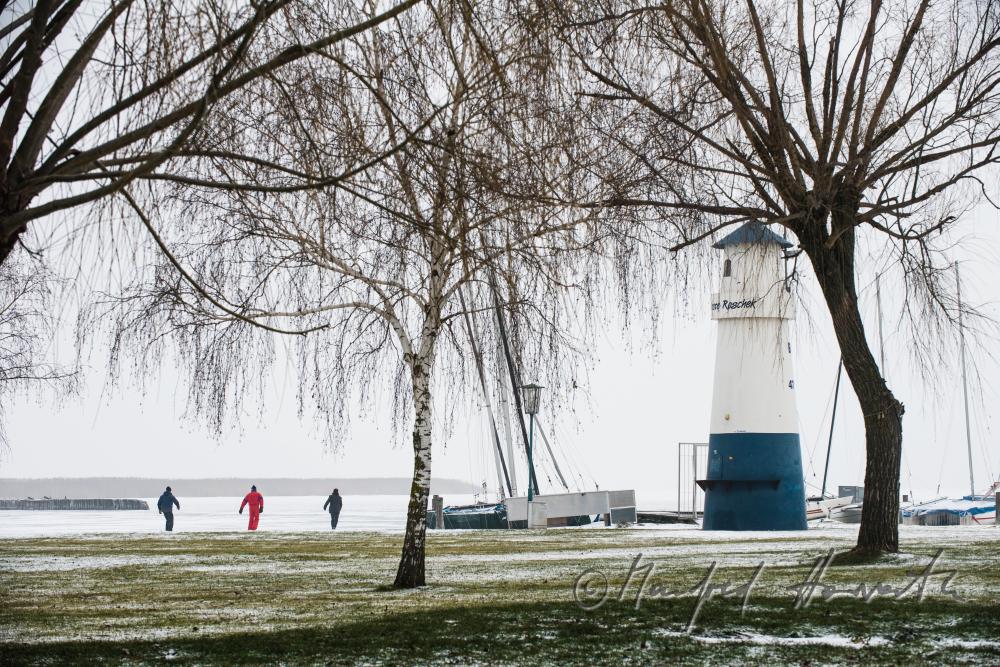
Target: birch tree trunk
411, 564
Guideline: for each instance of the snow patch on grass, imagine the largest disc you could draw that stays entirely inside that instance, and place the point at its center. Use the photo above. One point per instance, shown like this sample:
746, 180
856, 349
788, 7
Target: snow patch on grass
67, 563
833, 640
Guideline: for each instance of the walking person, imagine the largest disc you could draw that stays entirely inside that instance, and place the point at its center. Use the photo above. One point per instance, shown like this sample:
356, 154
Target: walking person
166, 507
256, 503
335, 503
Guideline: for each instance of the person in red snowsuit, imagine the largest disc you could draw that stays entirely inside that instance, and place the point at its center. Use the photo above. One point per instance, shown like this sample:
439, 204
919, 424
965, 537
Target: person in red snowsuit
256, 503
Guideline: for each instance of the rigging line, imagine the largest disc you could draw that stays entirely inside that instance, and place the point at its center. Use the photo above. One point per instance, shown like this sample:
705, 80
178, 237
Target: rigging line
833, 421
965, 381
547, 461
944, 450
579, 483
508, 427
555, 464
576, 467
881, 337
882, 370
468, 455
909, 472
580, 463
497, 462
811, 485
819, 433
470, 329
478, 454
515, 381
582, 469
983, 433
557, 451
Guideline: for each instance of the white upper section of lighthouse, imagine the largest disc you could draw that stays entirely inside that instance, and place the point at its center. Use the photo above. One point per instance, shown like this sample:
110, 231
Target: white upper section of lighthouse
753, 283
754, 390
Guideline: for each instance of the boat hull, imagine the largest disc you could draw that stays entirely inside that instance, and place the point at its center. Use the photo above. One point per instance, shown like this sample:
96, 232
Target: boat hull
490, 516
849, 514
483, 516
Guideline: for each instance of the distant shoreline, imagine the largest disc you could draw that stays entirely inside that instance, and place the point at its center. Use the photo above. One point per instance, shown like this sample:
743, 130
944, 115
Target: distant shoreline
210, 487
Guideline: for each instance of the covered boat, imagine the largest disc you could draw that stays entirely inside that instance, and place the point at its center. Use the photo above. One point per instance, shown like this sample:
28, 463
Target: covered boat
967, 511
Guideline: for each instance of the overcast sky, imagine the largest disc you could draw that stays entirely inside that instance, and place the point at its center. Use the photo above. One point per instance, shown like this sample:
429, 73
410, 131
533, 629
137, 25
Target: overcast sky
624, 433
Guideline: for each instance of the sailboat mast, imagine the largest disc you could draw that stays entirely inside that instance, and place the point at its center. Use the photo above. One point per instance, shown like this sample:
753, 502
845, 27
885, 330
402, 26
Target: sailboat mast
965, 382
833, 420
515, 380
470, 328
506, 424
881, 356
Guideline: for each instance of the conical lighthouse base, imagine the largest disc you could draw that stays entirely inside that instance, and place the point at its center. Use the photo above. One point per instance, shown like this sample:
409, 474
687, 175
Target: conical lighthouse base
754, 482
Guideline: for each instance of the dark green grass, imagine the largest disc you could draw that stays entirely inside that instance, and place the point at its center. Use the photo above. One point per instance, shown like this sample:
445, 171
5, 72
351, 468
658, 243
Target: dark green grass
563, 634
494, 599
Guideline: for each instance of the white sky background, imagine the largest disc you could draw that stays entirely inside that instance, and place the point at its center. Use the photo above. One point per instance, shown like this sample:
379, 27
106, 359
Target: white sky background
640, 403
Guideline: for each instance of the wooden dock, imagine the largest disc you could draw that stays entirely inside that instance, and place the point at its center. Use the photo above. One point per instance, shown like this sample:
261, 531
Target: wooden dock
665, 516
99, 504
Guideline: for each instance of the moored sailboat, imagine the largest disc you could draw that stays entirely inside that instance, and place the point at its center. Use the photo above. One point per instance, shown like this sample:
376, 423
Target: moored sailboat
822, 507
573, 507
973, 509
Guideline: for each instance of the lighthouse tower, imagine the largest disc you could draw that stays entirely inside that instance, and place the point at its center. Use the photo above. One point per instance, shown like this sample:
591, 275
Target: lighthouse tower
754, 479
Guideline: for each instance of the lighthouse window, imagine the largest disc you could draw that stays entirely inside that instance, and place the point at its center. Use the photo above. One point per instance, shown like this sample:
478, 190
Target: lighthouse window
727, 268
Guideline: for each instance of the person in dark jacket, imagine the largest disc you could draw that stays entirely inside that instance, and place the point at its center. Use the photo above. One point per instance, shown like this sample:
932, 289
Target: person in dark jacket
334, 503
166, 507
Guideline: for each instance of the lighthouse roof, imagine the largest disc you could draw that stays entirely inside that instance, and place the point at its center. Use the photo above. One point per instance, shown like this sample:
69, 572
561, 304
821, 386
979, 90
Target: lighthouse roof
750, 233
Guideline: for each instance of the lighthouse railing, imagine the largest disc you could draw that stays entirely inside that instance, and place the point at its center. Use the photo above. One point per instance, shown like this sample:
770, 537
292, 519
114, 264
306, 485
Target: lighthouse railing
692, 465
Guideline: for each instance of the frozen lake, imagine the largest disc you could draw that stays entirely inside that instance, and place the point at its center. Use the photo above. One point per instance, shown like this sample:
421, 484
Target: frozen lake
281, 513
297, 514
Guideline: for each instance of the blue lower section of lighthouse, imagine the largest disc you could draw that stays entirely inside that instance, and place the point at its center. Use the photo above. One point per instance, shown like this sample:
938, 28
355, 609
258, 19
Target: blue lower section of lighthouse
754, 482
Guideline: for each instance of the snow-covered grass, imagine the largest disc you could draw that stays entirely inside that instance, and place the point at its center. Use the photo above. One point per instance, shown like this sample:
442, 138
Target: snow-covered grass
496, 597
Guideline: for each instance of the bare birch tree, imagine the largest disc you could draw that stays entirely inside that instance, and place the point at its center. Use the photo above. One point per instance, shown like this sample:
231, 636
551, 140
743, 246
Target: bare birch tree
382, 268
847, 123
94, 96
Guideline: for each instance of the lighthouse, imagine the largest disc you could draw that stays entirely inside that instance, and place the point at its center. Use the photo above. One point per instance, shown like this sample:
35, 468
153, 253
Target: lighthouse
754, 478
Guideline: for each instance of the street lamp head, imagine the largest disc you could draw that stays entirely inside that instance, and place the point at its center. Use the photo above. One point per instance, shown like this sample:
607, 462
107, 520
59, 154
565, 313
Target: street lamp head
531, 395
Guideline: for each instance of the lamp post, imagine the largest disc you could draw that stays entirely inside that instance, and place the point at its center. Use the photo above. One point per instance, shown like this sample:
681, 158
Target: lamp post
531, 395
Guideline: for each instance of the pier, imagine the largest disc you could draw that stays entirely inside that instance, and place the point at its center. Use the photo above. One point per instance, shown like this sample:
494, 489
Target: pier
110, 504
